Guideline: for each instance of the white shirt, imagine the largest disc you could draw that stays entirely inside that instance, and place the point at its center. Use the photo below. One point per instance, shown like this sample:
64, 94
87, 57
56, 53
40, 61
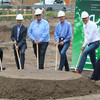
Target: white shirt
91, 33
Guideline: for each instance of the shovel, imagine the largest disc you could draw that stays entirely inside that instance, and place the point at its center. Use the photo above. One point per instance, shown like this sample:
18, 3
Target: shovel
78, 60
37, 57
56, 57
18, 58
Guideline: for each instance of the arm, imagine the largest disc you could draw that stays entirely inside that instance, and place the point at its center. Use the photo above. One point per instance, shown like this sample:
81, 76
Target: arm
12, 35
55, 34
30, 33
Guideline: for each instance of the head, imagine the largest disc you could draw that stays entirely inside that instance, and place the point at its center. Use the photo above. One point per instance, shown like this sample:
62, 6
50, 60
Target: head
85, 17
61, 16
19, 19
38, 14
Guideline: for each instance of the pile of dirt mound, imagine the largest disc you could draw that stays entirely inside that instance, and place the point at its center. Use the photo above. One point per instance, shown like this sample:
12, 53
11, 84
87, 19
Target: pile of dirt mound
28, 89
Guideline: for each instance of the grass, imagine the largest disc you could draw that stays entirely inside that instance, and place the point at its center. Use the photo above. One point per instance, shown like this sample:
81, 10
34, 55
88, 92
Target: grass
55, 13
51, 14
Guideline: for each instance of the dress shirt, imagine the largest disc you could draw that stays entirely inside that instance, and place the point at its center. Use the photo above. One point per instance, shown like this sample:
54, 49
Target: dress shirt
18, 30
91, 33
39, 31
63, 30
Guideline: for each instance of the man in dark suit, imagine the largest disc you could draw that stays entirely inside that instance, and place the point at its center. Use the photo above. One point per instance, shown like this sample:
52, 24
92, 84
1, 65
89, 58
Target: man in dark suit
1, 58
1, 54
96, 73
18, 36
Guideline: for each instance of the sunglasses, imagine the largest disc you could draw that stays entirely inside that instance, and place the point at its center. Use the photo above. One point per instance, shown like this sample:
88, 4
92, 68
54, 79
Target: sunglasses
38, 15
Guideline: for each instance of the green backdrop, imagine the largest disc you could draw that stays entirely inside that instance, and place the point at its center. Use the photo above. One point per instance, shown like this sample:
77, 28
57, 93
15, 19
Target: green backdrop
93, 8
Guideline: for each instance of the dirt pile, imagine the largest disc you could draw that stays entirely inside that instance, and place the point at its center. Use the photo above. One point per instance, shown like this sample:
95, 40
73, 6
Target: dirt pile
39, 89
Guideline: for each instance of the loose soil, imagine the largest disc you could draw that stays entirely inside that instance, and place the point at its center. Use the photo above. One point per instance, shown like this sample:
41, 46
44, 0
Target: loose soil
19, 88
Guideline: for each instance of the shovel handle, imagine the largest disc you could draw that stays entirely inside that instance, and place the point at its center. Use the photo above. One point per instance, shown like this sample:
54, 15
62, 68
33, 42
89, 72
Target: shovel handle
78, 60
18, 57
37, 57
56, 56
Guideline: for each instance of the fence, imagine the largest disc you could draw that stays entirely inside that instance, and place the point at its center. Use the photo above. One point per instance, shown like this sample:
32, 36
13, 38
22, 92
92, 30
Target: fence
56, 7
12, 12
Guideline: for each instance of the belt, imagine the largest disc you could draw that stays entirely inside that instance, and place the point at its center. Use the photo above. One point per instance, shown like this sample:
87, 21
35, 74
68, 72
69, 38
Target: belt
61, 39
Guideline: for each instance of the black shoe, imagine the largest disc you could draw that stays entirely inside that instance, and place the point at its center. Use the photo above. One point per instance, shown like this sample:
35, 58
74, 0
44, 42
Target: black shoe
98, 79
41, 68
67, 70
91, 78
2, 68
59, 69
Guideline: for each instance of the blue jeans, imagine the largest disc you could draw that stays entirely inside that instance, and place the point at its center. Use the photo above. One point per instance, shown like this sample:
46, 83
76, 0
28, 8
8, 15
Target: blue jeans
91, 51
63, 57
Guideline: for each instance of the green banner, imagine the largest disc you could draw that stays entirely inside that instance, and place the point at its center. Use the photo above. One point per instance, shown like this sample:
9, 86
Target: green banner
93, 8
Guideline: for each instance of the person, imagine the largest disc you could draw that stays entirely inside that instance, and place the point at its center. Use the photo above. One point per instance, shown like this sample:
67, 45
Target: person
18, 36
1, 54
38, 32
1, 58
91, 40
96, 73
62, 35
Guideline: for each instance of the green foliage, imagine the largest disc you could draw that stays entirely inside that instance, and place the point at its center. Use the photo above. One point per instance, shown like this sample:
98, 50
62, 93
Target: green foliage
51, 14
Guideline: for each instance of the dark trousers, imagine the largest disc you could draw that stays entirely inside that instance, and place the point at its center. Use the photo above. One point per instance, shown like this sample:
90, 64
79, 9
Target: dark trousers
1, 54
21, 53
63, 57
96, 72
41, 51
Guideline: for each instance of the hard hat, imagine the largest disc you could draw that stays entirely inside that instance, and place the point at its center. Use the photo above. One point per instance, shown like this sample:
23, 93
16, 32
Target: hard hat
38, 11
61, 13
19, 17
84, 14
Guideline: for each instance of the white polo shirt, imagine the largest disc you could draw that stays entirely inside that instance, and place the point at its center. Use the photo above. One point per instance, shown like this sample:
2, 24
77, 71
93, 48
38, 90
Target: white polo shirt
90, 33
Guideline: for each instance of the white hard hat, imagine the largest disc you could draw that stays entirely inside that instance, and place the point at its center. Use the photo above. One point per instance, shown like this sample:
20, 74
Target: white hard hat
19, 17
60, 14
38, 11
84, 14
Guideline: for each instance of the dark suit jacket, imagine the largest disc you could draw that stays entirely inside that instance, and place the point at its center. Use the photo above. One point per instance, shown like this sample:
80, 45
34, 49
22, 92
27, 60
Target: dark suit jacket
22, 36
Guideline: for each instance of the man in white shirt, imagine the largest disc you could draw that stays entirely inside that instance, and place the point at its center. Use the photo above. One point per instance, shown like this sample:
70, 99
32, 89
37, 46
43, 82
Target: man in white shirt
92, 38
